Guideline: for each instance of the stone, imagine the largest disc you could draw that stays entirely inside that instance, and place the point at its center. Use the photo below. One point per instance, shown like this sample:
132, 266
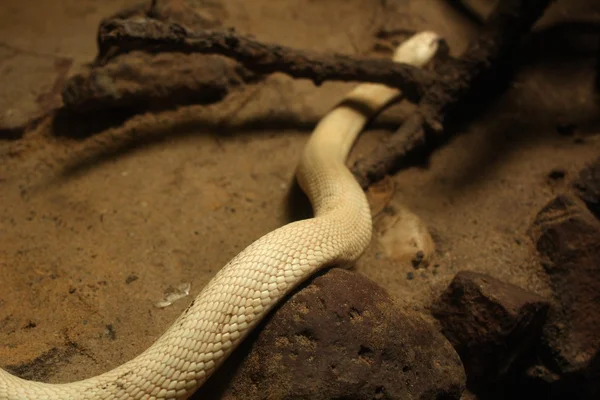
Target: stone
340, 337
587, 186
567, 238
142, 81
490, 323
34, 82
404, 236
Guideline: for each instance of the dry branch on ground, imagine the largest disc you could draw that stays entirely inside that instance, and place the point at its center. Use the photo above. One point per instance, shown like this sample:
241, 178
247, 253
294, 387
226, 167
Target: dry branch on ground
439, 93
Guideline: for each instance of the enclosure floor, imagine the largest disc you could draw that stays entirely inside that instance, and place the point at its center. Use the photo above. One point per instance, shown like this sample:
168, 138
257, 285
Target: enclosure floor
92, 232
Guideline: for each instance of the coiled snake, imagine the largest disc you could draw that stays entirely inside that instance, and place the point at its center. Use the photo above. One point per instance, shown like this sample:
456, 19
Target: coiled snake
244, 291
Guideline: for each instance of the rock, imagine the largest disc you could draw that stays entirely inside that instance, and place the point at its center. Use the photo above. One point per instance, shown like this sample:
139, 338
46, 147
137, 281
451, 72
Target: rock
468, 395
587, 186
567, 238
490, 323
404, 236
34, 82
161, 81
481, 9
537, 381
340, 337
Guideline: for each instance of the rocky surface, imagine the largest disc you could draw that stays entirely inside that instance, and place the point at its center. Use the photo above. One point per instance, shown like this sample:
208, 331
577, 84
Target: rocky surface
587, 187
341, 337
33, 82
142, 81
567, 238
491, 323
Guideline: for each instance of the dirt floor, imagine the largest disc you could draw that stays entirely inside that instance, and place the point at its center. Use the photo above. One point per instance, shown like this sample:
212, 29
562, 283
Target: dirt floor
93, 231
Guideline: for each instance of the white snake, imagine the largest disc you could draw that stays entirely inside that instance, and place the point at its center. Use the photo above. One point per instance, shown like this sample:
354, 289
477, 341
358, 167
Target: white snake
244, 291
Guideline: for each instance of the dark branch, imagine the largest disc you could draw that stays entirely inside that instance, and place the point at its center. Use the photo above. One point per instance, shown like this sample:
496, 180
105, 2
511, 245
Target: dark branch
423, 130
122, 35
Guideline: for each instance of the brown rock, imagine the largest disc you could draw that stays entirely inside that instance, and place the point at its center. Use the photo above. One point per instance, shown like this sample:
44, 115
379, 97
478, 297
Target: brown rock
153, 81
587, 186
33, 82
567, 238
490, 323
340, 337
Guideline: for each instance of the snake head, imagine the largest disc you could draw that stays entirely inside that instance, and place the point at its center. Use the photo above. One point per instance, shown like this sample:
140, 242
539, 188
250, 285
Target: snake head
419, 49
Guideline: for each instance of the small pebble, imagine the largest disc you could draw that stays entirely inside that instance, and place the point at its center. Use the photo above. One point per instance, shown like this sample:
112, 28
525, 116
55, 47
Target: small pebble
557, 174
418, 258
566, 129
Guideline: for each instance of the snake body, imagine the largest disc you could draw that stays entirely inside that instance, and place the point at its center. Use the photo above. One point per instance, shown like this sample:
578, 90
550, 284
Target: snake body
248, 287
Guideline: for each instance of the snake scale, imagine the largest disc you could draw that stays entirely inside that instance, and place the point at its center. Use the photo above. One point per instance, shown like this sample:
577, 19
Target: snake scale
248, 287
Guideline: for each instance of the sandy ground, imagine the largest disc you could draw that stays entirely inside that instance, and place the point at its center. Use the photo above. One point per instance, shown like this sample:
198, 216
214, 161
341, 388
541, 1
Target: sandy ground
94, 231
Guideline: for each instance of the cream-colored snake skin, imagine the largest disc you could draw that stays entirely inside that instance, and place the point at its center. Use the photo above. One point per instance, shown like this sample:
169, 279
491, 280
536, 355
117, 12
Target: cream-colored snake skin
244, 291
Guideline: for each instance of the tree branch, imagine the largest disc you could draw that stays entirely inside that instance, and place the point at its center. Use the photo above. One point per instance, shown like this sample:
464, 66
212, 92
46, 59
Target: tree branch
456, 78
123, 35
